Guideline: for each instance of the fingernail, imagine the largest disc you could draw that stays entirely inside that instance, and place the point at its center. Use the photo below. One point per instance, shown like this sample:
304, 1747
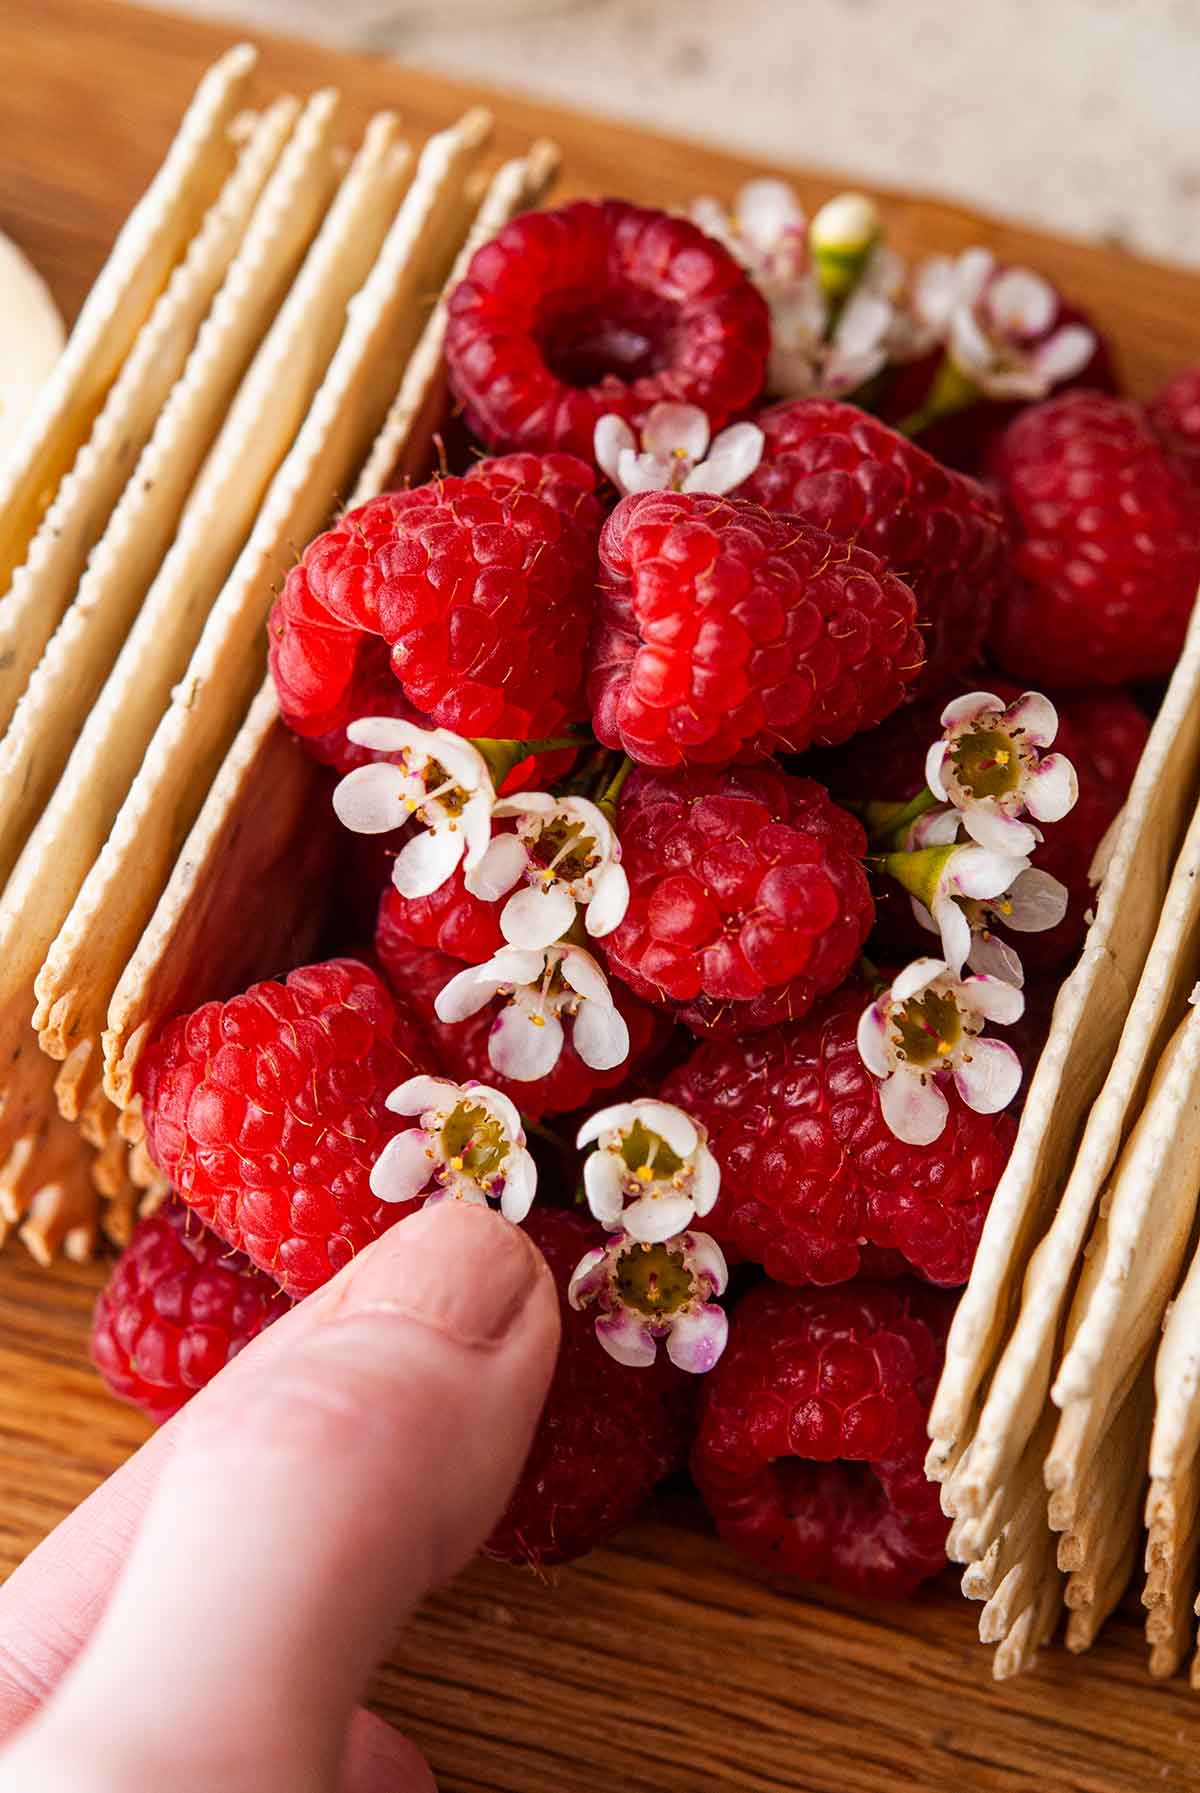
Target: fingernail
463, 1271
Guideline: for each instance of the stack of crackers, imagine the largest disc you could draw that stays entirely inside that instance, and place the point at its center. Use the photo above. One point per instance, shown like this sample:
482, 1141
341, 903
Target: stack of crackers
263, 347
1069, 1408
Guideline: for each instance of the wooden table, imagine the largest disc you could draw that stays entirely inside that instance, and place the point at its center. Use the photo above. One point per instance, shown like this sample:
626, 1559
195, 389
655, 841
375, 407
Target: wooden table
661, 1665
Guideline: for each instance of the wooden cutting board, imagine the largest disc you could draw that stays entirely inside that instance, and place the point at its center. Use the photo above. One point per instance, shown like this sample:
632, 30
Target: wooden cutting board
661, 1665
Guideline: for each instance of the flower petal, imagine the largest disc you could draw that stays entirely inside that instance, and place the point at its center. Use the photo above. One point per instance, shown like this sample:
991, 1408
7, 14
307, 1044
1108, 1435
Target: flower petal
465, 994
671, 431
616, 1119
609, 901
520, 1185
643, 472
653, 1219
706, 1259
979, 872
914, 1110
612, 435
955, 931
916, 977
1021, 304
462, 760
537, 916
525, 1045
404, 1167
706, 1180
1037, 901
476, 824
582, 972
1064, 354
604, 1186
419, 1093
733, 457
970, 707
1052, 790
997, 832
1035, 716
673, 1124
627, 1338
424, 863
934, 761
765, 210
588, 1277
697, 1339
503, 863
873, 1040
992, 998
388, 734
993, 957
988, 1080
375, 799
600, 1036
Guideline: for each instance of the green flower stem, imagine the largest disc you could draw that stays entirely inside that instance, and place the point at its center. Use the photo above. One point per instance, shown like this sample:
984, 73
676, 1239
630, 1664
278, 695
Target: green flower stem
502, 755
887, 823
952, 390
608, 803
918, 873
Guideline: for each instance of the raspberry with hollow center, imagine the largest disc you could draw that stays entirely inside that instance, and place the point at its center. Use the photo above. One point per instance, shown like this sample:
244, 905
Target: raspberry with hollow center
466, 601
748, 898
600, 307
813, 1181
416, 974
268, 1112
1107, 545
608, 1433
724, 630
178, 1306
861, 481
810, 1447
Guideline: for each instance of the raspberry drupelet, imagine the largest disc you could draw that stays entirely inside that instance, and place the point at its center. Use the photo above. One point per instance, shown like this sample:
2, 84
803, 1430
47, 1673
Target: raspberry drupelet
608, 1433
464, 602
725, 631
851, 475
748, 897
1174, 416
268, 1112
1107, 545
810, 1448
178, 1306
814, 1184
600, 307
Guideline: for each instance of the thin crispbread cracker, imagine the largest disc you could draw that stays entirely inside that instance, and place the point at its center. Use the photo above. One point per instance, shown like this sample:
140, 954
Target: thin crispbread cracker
1088, 1018
403, 448
118, 899
1119, 1307
1022, 1376
152, 240
179, 958
46, 1192
253, 441
1173, 1503
990, 1545
68, 679
46, 581
1024, 1611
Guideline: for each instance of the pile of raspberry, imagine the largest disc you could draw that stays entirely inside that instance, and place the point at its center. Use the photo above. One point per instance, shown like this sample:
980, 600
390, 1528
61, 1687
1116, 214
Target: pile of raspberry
727, 652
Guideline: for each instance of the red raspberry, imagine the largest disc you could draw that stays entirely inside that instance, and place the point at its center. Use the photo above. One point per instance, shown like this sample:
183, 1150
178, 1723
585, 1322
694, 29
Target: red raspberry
600, 307
479, 589
811, 1443
451, 921
1108, 544
810, 1172
724, 630
267, 1114
748, 899
1174, 416
607, 1433
849, 474
1101, 732
178, 1306
417, 974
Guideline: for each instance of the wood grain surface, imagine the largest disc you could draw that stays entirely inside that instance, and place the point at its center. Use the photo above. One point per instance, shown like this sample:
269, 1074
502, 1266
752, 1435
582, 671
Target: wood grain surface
661, 1665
